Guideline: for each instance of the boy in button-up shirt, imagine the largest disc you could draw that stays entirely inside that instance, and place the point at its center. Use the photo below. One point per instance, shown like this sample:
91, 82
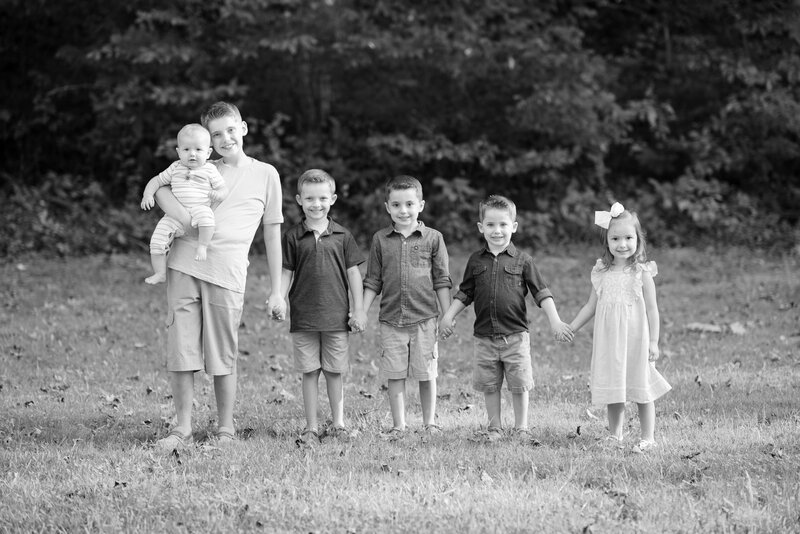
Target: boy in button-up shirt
408, 265
497, 279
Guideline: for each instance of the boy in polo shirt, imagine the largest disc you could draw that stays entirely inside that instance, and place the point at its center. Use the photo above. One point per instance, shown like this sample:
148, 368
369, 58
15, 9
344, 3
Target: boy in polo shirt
205, 298
408, 265
320, 268
497, 279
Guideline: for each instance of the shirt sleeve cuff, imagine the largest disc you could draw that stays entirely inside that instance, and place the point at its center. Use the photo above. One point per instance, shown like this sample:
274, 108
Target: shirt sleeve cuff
463, 298
541, 295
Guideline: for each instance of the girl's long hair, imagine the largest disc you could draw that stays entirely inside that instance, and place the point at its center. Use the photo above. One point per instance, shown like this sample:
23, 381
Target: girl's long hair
640, 256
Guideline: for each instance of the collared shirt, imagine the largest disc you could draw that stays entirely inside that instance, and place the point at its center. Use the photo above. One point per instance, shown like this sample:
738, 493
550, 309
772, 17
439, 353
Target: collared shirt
407, 272
318, 298
498, 286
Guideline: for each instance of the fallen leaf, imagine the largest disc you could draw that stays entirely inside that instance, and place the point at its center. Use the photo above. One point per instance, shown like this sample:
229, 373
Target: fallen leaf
737, 328
704, 327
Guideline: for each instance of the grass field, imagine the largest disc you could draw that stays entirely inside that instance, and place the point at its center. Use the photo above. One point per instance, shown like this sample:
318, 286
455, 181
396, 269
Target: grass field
84, 394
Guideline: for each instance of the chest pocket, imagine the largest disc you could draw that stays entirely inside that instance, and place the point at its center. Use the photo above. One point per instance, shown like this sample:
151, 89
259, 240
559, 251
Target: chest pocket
421, 256
479, 272
512, 276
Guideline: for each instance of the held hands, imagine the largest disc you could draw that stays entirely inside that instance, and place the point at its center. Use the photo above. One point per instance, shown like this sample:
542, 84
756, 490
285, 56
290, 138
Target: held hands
446, 327
358, 321
562, 332
148, 202
277, 307
653, 352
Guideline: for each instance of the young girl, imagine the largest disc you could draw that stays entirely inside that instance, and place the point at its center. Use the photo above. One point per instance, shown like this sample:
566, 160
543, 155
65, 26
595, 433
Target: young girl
626, 325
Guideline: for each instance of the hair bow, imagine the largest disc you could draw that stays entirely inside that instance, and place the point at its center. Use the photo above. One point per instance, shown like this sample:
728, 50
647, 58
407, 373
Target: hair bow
603, 218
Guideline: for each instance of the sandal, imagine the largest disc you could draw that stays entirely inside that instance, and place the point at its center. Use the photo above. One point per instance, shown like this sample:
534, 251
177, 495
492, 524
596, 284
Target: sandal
339, 432
432, 428
308, 437
225, 436
393, 434
175, 440
644, 446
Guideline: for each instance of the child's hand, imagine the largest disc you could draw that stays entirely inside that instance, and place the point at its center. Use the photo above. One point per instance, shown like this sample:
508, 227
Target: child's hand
562, 332
653, 352
358, 321
214, 195
276, 307
446, 327
148, 202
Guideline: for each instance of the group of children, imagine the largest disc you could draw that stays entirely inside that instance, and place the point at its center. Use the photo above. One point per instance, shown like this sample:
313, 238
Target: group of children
315, 265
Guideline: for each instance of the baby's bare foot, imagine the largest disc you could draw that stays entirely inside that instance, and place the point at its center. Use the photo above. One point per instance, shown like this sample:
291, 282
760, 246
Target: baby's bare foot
201, 253
157, 278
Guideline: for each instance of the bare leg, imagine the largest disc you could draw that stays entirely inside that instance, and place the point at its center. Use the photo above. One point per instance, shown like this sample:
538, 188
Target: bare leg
616, 417
335, 386
520, 401
182, 383
647, 420
311, 399
493, 401
397, 402
427, 397
159, 263
225, 392
205, 235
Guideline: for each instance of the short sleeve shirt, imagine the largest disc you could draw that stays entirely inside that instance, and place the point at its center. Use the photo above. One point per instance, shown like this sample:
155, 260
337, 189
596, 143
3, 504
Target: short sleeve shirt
318, 297
254, 197
498, 286
407, 272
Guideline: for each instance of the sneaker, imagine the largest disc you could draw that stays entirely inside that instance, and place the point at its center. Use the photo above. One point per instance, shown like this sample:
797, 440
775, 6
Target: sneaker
175, 440
644, 446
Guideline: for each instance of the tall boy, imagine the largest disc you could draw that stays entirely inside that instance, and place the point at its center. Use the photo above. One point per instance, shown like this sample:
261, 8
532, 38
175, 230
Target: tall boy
206, 299
497, 279
408, 265
320, 262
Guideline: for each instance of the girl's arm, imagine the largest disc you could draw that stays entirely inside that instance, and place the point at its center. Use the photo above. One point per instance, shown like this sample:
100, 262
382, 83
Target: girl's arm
585, 313
653, 317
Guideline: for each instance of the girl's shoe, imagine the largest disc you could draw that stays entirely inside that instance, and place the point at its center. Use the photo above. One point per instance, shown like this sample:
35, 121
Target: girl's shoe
644, 446
175, 440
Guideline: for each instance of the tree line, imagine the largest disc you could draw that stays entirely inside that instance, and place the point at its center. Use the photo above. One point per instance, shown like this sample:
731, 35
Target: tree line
685, 111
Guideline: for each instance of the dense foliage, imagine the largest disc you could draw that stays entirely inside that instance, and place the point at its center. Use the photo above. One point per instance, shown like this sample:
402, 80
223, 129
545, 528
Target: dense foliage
686, 111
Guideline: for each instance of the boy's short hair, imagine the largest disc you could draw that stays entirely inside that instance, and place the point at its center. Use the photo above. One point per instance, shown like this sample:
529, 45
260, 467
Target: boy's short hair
399, 183
315, 176
191, 129
217, 110
498, 202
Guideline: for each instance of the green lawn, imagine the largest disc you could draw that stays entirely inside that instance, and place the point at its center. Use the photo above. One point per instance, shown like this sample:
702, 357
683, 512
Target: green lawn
84, 394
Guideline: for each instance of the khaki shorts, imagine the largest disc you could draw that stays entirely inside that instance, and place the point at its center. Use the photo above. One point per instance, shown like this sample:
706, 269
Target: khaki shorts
328, 351
202, 325
508, 356
410, 351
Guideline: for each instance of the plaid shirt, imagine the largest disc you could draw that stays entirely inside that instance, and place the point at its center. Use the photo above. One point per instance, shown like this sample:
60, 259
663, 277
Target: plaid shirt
407, 272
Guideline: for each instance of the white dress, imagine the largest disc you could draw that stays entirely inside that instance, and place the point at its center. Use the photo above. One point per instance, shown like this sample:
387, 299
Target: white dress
621, 370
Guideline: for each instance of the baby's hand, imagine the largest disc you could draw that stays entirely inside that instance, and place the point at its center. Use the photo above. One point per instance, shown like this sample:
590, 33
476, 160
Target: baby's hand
214, 195
653, 352
148, 202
